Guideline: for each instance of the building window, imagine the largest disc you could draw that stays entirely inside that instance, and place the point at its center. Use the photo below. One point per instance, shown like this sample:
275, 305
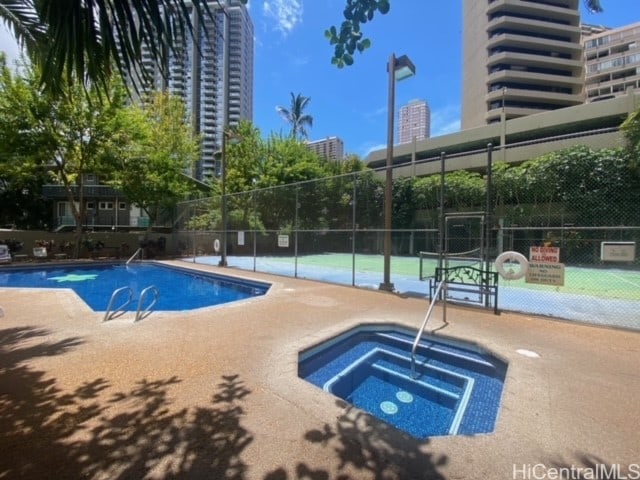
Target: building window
62, 209
90, 206
106, 205
122, 206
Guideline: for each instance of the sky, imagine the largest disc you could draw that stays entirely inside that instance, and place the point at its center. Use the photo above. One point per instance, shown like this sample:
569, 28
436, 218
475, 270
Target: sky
293, 56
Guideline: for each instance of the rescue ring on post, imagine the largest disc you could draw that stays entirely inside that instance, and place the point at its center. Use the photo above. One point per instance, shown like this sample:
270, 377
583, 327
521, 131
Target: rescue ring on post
216, 245
506, 271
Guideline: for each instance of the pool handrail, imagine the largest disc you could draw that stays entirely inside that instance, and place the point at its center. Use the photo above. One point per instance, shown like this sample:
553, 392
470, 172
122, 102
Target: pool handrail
135, 254
424, 323
110, 313
141, 314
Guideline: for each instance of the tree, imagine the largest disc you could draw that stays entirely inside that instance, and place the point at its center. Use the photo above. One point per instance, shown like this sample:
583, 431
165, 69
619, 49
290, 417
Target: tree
67, 136
80, 42
243, 171
295, 115
349, 38
631, 129
152, 148
21, 172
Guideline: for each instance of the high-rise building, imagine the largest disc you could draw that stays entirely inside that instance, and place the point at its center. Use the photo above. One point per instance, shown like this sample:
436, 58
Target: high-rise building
414, 121
612, 61
212, 71
331, 148
519, 57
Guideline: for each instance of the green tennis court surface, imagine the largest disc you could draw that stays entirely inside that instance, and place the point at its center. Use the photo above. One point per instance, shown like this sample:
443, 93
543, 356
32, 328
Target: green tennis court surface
593, 295
600, 282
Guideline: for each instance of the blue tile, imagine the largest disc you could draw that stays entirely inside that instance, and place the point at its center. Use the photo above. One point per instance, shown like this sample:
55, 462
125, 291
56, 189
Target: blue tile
422, 407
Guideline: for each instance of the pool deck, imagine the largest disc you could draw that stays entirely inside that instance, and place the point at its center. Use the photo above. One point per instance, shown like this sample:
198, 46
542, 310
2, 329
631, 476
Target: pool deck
214, 393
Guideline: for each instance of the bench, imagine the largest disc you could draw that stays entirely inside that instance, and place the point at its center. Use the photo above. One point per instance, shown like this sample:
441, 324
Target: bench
468, 280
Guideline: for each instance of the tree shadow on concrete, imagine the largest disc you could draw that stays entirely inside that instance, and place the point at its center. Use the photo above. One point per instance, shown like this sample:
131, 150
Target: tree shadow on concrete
368, 448
92, 432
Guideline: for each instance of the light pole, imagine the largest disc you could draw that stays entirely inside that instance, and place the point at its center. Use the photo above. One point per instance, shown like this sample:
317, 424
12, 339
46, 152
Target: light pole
233, 139
399, 69
225, 133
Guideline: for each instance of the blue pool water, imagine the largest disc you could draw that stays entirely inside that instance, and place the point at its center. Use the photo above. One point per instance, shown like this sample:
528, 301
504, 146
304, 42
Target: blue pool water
178, 288
456, 390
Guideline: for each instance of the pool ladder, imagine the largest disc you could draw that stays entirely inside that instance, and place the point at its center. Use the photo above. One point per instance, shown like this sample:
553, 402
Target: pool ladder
434, 299
136, 253
140, 314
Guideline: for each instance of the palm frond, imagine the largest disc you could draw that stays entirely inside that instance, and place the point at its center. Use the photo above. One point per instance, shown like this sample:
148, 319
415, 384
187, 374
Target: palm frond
22, 20
84, 40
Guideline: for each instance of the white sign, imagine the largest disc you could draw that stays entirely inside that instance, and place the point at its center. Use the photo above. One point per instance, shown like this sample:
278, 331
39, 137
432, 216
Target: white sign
240, 238
618, 251
546, 274
544, 254
283, 241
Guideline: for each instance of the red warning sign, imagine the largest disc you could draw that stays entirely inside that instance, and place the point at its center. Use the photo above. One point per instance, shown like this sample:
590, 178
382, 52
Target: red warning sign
544, 254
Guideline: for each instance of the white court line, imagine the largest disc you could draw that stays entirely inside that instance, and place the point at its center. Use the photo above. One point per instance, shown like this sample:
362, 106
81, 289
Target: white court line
624, 279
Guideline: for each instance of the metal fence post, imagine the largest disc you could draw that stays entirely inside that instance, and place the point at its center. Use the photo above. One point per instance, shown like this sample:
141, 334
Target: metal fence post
353, 230
295, 230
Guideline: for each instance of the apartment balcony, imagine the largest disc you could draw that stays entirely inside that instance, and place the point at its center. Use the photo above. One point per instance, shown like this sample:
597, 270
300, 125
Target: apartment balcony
495, 115
611, 89
529, 9
536, 28
506, 40
539, 61
534, 79
612, 77
549, 98
89, 191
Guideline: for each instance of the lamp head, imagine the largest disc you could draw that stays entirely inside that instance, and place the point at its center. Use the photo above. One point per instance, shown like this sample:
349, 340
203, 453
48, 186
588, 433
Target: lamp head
404, 68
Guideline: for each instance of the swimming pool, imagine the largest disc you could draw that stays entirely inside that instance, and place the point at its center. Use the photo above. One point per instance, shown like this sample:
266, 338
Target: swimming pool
178, 288
457, 388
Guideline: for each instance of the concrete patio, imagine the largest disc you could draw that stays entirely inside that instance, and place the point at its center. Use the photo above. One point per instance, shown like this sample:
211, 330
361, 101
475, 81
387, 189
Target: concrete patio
214, 393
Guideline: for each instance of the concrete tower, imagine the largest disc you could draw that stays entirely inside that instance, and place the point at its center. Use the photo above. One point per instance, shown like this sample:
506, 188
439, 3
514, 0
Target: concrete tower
519, 58
414, 121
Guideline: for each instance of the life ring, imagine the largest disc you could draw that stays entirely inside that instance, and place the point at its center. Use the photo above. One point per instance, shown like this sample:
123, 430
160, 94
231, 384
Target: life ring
216, 245
511, 257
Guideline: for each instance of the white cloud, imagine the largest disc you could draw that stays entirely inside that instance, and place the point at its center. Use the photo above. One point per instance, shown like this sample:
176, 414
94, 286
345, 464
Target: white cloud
445, 120
286, 13
370, 147
298, 60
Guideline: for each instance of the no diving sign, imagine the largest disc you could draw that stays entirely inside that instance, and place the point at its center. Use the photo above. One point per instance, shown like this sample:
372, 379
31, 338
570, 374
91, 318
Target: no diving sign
545, 267
544, 254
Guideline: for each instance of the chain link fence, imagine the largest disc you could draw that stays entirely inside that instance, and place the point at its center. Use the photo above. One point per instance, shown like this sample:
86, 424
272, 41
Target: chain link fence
332, 230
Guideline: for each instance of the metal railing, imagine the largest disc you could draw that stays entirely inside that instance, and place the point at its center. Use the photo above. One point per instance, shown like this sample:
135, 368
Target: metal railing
111, 312
140, 314
424, 323
135, 254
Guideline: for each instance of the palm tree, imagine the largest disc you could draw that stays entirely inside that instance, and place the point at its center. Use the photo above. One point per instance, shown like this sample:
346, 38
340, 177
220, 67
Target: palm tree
84, 41
295, 115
